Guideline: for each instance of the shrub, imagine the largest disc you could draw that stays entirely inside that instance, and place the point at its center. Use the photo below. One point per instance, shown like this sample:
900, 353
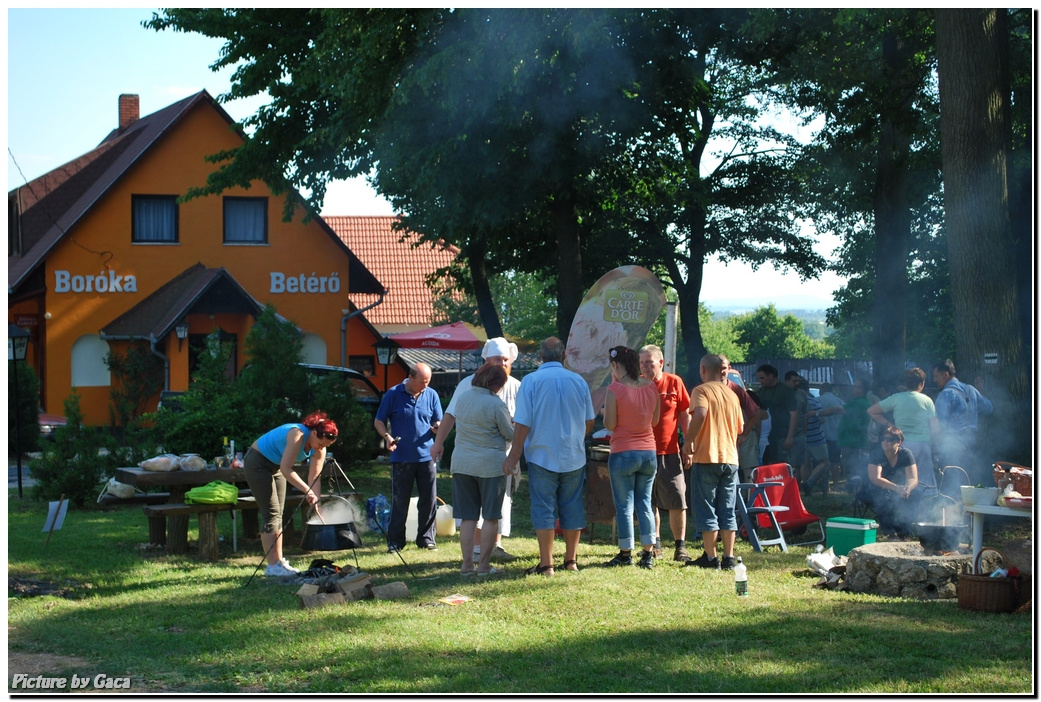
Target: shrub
79, 460
139, 377
207, 411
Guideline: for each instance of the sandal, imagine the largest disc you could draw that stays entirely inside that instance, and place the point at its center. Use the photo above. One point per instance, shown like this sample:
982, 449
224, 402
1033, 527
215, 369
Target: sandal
539, 570
571, 564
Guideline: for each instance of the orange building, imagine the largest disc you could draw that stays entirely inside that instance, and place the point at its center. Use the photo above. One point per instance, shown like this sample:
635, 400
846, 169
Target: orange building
102, 255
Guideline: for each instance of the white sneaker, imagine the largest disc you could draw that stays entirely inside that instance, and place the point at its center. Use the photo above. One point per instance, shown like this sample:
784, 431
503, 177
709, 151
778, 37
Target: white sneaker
291, 569
277, 570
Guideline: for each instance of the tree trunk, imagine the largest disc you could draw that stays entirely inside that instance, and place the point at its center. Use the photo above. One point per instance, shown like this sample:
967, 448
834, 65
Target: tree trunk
975, 124
569, 264
892, 224
689, 295
482, 291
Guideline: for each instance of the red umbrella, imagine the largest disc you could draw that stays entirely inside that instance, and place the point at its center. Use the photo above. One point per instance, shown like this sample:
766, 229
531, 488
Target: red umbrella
450, 337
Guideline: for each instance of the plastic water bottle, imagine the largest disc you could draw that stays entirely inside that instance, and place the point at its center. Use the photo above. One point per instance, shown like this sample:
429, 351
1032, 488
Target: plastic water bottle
741, 578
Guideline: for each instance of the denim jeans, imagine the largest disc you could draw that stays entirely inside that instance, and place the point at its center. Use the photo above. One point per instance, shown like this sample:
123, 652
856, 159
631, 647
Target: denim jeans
557, 496
632, 479
713, 494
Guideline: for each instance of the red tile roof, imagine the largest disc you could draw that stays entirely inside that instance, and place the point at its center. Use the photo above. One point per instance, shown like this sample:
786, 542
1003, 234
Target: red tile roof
401, 269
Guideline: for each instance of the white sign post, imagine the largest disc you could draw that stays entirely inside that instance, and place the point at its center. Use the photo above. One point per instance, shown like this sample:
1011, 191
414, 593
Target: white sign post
55, 517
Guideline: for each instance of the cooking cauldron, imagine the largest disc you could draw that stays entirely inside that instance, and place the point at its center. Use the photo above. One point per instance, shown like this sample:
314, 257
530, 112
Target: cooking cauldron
330, 527
946, 529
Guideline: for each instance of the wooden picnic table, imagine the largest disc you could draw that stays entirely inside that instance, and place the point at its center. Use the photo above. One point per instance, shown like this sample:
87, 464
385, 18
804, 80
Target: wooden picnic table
178, 482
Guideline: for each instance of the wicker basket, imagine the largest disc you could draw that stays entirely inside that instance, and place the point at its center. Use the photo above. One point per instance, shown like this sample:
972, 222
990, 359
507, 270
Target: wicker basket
982, 593
1021, 477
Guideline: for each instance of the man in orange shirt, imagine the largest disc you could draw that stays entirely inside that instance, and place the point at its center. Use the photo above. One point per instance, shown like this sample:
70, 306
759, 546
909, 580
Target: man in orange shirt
711, 450
670, 487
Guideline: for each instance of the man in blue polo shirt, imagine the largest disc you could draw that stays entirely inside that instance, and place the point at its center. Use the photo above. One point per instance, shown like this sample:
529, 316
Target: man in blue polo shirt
413, 411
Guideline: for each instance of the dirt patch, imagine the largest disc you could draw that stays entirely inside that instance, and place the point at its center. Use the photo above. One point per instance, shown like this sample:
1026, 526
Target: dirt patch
43, 663
49, 665
28, 587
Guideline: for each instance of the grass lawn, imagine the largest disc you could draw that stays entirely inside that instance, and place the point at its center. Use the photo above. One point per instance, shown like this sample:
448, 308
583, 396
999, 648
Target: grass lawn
177, 625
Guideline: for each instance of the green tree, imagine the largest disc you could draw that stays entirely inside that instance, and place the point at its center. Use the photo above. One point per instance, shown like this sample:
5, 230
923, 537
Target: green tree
75, 464
273, 384
721, 335
976, 133
139, 378
537, 140
869, 74
524, 303
207, 410
768, 335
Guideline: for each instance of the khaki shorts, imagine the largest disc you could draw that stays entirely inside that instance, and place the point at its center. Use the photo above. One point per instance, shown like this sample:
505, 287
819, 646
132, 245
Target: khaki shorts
670, 487
817, 452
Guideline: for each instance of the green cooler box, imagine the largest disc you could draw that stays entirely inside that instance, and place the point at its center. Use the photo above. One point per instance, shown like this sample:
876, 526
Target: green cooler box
846, 533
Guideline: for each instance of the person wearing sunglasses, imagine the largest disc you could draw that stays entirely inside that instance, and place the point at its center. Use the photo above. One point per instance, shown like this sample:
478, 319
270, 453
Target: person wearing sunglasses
893, 473
268, 465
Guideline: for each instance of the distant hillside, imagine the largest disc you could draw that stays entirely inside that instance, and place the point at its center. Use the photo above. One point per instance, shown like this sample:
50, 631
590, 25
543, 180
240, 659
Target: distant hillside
784, 303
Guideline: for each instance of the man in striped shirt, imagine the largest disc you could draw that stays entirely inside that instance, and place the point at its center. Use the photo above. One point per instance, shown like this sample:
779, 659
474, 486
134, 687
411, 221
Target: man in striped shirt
816, 447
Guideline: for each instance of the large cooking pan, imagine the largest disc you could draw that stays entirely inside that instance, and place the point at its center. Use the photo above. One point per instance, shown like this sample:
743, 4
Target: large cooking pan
329, 526
944, 528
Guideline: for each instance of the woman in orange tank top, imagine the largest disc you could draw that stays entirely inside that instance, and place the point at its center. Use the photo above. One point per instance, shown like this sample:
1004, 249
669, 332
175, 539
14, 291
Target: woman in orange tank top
632, 409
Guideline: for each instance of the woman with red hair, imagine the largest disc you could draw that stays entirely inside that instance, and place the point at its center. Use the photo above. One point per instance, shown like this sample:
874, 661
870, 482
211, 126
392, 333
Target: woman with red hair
269, 466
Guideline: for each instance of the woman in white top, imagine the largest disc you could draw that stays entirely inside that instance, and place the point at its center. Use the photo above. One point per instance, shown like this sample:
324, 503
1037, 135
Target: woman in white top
483, 428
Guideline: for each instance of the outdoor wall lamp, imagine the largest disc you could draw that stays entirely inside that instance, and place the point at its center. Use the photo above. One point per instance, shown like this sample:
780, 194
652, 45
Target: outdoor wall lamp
182, 333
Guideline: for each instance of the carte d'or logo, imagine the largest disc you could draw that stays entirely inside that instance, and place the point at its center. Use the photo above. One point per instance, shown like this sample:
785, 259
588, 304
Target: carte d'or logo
626, 306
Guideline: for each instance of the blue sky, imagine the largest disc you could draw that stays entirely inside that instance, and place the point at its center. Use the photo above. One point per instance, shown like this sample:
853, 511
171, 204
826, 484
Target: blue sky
67, 67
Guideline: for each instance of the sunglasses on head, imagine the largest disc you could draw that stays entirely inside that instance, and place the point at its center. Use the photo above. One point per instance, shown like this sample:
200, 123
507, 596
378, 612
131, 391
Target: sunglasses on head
325, 435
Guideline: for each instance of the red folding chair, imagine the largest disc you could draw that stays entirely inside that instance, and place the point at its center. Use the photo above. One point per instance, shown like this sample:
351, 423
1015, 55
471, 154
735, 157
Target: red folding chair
781, 489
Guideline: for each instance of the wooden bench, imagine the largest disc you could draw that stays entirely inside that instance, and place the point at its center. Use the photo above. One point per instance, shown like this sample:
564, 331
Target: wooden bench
176, 538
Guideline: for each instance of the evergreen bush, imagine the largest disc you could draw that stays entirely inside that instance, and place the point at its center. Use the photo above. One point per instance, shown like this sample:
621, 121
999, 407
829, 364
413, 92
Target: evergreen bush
77, 462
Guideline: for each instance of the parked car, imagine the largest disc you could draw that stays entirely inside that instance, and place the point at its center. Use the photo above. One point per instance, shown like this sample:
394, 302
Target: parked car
735, 377
49, 423
365, 392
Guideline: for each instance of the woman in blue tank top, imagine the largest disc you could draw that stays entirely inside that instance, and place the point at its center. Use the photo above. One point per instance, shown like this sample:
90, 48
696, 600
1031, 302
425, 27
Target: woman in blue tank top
269, 467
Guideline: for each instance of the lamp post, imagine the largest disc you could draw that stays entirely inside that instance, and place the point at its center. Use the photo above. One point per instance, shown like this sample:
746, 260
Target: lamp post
17, 344
386, 354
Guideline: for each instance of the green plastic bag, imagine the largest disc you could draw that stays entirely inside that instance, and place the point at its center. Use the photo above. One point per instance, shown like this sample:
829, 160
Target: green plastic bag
214, 493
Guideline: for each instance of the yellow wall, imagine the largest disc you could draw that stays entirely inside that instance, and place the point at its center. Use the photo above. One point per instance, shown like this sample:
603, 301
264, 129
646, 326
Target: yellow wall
100, 244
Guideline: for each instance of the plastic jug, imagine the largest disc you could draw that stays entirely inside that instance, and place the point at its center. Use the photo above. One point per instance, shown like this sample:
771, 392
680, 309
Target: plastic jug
444, 520
412, 520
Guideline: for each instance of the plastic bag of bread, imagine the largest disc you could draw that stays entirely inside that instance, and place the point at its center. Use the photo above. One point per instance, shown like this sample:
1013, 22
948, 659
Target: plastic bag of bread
166, 462
192, 461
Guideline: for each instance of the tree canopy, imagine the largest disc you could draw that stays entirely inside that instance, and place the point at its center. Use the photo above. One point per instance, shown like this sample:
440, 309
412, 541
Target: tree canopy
560, 143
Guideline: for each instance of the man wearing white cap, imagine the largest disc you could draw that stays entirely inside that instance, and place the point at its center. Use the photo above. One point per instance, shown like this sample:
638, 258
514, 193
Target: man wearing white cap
496, 352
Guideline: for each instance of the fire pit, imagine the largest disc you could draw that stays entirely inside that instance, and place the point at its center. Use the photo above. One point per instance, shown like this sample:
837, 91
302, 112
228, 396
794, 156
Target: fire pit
905, 569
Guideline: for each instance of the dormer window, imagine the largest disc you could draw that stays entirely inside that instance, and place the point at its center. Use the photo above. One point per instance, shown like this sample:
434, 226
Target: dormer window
154, 219
245, 220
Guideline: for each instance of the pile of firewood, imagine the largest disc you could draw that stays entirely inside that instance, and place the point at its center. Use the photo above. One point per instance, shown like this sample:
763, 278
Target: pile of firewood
348, 585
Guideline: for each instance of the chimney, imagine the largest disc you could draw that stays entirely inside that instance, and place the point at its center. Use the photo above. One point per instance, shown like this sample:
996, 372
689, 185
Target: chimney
129, 110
